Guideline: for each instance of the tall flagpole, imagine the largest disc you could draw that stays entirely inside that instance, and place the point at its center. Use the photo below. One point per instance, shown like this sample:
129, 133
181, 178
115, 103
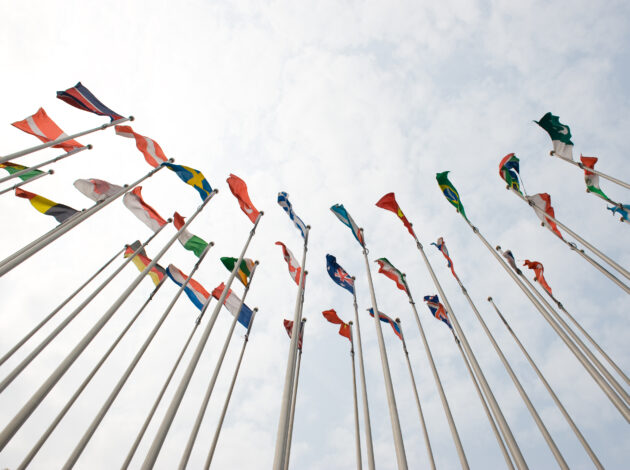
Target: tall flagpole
30, 406
30, 180
204, 404
357, 433
592, 170
294, 399
285, 405
58, 308
556, 400
152, 455
19, 173
415, 392
63, 138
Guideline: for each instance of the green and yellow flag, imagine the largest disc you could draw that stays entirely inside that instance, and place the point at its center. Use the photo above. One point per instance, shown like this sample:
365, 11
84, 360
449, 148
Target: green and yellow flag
450, 193
245, 270
13, 168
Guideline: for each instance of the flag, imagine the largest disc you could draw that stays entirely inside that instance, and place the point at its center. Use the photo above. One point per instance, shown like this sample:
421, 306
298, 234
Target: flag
622, 212
195, 291
437, 309
239, 189
192, 177
509, 171
60, 212
244, 270
13, 168
543, 202
389, 202
45, 129
332, 317
232, 303
450, 193
151, 150
141, 260
441, 245
388, 269
385, 319
294, 268
82, 98
288, 325
188, 240
283, 201
97, 190
507, 254
338, 274
147, 214
560, 135
592, 179
342, 214
538, 270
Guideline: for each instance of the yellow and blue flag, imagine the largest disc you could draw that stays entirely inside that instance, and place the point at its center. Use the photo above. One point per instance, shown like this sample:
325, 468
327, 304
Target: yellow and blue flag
192, 177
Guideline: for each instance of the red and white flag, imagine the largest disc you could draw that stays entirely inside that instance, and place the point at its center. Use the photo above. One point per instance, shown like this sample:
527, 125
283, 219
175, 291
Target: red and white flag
239, 189
538, 270
151, 150
288, 325
294, 267
543, 202
97, 190
45, 129
147, 214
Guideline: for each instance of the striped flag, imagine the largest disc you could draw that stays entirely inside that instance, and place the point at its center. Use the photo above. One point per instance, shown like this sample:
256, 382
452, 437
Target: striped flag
60, 212
151, 150
188, 240
543, 202
332, 317
13, 168
97, 190
385, 319
509, 256
389, 203
82, 98
283, 201
45, 129
141, 260
437, 309
232, 302
388, 269
288, 326
192, 177
342, 214
244, 270
538, 270
441, 245
195, 291
294, 267
147, 214
239, 189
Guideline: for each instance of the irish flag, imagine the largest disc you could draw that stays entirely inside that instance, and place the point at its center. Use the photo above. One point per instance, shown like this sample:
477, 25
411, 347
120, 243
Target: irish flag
244, 270
560, 135
188, 240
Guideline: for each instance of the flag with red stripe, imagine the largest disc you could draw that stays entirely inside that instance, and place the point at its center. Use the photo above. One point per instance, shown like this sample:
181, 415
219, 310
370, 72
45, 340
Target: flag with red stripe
82, 98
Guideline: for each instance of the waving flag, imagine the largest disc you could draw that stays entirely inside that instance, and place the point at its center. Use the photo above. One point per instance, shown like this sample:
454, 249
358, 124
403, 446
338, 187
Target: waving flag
338, 274
591, 179
45, 129
97, 190
288, 325
82, 98
195, 291
509, 171
232, 302
188, 240
147, 214
622, 212
141, 260
192, 177
60, 212
538, 270
283, 201
388, 269
13, 168
332, 317
437, 309
560, 135
441, 245
151, 150
294, 267
385, 319
507, 254
389, 203
239, 189
449, 191
342, 214
543, 202
244, 270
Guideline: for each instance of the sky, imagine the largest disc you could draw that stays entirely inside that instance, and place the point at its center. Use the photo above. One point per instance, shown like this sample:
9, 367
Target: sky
337, 102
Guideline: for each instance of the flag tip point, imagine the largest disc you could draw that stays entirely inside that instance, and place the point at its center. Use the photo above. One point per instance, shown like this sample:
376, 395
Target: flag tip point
303, 320
169, 220
489, 299
51, 172
397, 320
131, 118
89, 146
498, 247
256, 262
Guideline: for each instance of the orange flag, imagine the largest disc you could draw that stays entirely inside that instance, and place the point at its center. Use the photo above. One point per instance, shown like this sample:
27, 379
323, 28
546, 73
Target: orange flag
239, 189
332, 317
538, 269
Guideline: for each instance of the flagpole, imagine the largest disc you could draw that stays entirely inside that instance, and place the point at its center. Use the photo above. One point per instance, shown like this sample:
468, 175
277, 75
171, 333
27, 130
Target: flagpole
556, 400
415, 392
9, 263
47, 162
591, 170
53, 334
294, 399
153, 452
30, 180
204, 404
389, 388
63, 138
229, 393
285, 404
357, 433
30, 406
30, 334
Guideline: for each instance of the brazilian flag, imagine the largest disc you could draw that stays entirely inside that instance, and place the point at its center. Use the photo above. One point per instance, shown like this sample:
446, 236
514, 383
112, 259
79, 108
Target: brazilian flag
450, 193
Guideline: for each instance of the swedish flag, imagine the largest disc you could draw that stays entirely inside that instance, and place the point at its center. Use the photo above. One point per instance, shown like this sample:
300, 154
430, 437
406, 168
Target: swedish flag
192, 177
450, 193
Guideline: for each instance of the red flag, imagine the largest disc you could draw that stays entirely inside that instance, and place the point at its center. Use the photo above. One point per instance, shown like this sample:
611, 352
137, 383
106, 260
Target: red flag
538, 269
294, 268
151, 150
389, 202
288, 325
239, 189
147, 214
332, 317
45, 129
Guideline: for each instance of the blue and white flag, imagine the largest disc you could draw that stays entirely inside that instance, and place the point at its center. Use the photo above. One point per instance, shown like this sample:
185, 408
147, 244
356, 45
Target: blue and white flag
338, 274
283, 201
342, 214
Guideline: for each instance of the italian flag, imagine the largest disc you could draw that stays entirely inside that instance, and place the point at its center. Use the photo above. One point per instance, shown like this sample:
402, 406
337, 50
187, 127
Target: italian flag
188, 240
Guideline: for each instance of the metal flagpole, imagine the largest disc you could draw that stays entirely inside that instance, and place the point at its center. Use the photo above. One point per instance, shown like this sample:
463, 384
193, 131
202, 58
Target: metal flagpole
11, 262
204, 404
62, 139
294, 399
556, 400
415, 392
30, 180
53, 334
591, 170
285, 405
366, 410
30, 406
29, 457
47, 162
357, 433
58, 308
389, 388
229, 394
152, 455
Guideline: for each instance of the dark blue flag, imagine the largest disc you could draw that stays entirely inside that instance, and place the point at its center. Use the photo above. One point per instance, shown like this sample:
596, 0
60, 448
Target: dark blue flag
338, 274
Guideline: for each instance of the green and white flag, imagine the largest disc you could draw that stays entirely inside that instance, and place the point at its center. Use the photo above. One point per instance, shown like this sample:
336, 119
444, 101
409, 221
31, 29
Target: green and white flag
188, 240
560, 135
591, 179
388, 269
244, 271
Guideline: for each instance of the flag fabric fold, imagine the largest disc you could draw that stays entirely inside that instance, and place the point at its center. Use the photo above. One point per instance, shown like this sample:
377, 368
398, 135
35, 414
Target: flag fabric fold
509, 256
239, 189
543, 202
45, 129
538, 271
82, 98
288, 326
344, 217
389, 203
60, 212
192, 177
13, 168
592, 179
338, 274
147, 214
388, 269
95, 189
232, 302
385, 319
294, 267
450, 193
509, 171
437, 309
195, 291
151, 150
441, 245
188, 240
560, 135
244, 270
283, 201
141, 260
332, 317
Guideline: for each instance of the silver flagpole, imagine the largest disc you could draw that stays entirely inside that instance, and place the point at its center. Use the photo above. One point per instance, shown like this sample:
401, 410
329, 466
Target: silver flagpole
62, 139
389, 388
9, 263
591, 170
229, 394
53, 334
285, 405
204, 404
357, 433
30, 406
556, 400
47, 162
30, 180
294, 399
152, 455
415, 392
58, 308
29, 457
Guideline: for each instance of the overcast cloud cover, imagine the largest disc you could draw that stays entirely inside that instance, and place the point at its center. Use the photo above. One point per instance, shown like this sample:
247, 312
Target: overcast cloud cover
333, 102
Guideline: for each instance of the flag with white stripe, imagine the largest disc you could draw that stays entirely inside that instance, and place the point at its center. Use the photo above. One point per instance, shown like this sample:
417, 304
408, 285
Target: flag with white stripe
283, 201
151, 150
